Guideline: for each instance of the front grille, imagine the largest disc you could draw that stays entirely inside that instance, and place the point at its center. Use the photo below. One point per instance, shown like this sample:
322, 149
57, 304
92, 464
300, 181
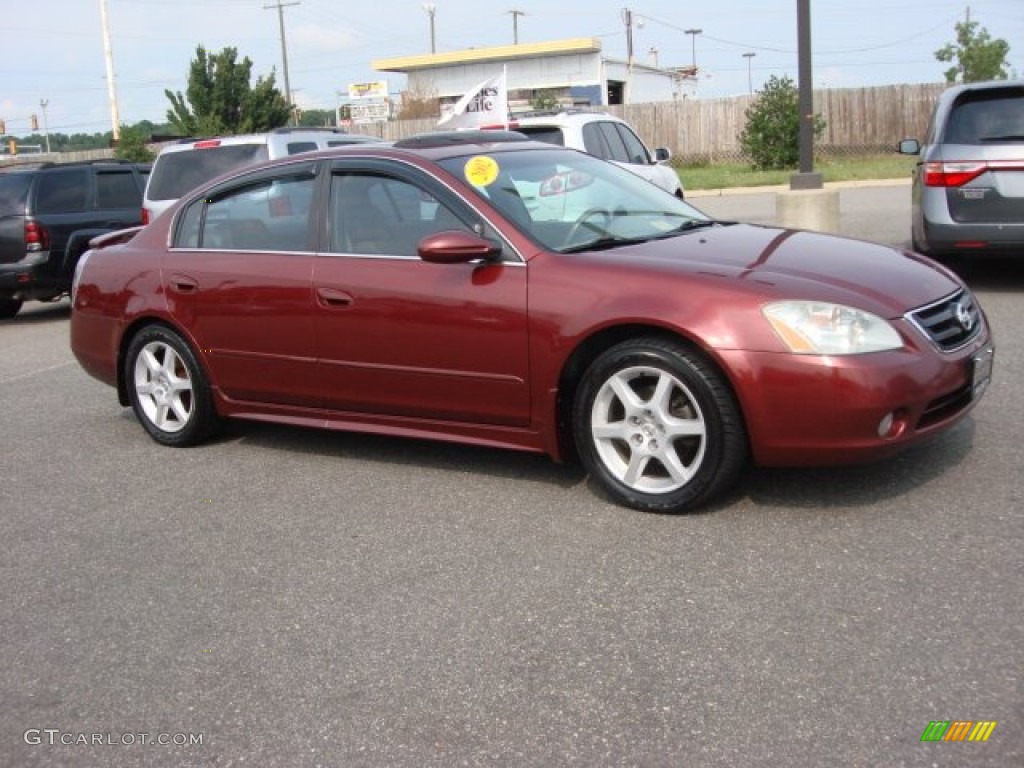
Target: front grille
949, 323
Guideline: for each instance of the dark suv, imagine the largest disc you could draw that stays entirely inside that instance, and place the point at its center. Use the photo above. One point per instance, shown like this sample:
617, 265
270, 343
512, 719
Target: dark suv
48, 214
968, 190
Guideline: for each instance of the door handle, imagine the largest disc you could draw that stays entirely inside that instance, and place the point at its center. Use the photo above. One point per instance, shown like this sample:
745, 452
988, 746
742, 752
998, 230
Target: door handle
184, 284
332, 298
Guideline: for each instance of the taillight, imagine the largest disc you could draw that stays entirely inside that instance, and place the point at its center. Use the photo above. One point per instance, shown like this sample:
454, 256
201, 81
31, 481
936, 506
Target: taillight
206, 144
36, 237
145, 216
952, 174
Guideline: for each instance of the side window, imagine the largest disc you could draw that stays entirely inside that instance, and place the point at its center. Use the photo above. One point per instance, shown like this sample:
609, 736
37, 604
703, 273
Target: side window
272, 215
62, 191
615, 143
382, 215
634, 147
594, 142
295, 147
117, 189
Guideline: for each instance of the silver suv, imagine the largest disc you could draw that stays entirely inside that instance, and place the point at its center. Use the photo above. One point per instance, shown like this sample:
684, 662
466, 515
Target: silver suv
189, 163
968, 186
604, 136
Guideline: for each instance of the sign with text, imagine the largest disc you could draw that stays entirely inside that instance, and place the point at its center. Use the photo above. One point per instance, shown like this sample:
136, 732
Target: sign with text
377, 90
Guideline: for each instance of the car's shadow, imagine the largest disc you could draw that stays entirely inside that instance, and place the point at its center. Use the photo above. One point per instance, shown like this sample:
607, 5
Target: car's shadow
798, 488
37, 313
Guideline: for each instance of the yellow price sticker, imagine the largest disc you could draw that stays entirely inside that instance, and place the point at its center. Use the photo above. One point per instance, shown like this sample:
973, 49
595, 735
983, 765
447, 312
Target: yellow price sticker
481, 171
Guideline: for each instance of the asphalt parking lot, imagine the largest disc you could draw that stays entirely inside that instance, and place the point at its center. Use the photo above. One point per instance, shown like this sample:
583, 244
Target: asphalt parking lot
298, 598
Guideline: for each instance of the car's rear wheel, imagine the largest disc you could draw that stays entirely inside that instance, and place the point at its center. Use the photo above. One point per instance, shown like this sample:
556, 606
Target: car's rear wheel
168, 388
9, 307
657, 426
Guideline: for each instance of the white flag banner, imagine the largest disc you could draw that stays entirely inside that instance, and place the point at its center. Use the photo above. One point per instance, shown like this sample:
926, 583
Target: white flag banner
484, 105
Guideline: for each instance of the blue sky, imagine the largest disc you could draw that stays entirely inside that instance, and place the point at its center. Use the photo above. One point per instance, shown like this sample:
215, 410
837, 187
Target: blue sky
332, 42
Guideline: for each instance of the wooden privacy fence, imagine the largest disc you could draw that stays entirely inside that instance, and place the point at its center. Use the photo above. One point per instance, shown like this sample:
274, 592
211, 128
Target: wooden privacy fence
857, 121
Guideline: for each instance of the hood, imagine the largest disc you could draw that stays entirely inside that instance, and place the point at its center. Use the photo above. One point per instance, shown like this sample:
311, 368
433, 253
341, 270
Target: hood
788, 263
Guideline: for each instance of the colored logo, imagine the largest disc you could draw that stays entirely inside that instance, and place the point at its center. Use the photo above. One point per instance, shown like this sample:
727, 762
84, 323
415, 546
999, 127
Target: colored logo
958, 730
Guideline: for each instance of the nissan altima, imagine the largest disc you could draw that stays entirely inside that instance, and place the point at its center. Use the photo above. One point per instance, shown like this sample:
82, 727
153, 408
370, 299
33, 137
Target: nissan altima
482, 288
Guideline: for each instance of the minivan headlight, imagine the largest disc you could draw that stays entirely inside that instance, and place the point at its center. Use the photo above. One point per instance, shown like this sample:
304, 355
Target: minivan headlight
823, 328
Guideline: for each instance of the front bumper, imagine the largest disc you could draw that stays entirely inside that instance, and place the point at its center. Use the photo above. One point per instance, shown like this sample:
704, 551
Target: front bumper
804, 410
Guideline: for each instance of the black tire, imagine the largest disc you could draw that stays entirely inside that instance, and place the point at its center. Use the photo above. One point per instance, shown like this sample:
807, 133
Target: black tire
168, 389
676, 445
9, 307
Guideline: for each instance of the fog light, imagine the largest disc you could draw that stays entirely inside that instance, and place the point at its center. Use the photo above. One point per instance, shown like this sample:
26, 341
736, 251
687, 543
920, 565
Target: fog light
885, 425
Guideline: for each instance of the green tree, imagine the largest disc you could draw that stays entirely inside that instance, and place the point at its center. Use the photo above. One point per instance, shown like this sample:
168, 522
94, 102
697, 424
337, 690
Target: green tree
132, 145
219, 99
978, 57
771, 138
544, 100
317, 118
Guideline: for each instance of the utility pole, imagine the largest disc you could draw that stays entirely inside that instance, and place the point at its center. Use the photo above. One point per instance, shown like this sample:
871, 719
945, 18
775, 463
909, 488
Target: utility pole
431, 9
115, 119
284, 53
515, 25
627, 19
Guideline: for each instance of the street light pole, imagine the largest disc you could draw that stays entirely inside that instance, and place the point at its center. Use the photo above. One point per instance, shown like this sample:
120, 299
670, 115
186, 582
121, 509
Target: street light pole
44, 103
749, 56
693, 44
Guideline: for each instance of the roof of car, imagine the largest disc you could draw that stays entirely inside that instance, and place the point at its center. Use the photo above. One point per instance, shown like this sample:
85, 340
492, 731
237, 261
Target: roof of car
560, 116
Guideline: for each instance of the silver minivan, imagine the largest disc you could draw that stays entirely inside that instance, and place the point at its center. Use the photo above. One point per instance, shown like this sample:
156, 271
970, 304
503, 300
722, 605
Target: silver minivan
187, 164
968, 185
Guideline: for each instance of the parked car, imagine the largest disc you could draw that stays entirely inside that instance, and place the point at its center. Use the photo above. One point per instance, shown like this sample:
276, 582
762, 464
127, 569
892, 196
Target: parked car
188, 163
405, 289
48, 212
604, 136
968, 185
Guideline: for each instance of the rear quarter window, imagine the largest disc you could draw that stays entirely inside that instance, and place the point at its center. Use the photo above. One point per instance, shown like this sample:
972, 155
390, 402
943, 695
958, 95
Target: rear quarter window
13, 193
62, 191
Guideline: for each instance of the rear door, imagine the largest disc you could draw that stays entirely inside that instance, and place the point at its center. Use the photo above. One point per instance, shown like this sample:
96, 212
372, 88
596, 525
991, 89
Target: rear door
238, 278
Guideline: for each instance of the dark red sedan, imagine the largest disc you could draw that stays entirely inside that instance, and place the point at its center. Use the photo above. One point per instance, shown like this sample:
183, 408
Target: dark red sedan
482, 288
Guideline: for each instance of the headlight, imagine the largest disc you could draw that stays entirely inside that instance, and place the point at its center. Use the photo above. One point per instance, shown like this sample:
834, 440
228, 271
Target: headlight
821, 328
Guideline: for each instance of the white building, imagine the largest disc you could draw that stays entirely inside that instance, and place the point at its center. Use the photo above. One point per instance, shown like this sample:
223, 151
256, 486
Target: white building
573, 71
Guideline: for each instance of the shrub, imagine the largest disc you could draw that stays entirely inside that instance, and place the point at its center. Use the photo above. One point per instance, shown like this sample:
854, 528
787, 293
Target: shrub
771, 137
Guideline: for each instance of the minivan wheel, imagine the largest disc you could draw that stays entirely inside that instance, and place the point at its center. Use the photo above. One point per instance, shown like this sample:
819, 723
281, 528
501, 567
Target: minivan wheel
658, 427
9, 307
168, 388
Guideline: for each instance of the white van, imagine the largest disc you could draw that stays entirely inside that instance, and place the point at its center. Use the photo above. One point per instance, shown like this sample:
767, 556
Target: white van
189, 163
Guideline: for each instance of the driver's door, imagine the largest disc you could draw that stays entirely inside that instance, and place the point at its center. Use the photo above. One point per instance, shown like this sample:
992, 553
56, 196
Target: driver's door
396, 335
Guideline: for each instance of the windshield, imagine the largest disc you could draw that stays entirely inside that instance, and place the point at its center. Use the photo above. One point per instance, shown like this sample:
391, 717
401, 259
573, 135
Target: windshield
570, 201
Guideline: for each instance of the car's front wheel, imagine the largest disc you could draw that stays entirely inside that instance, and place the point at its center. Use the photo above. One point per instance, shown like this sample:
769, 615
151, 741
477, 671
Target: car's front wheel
168, 388
658, 427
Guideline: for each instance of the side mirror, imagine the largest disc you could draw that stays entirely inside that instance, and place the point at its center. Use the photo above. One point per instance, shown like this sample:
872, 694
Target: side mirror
662, 155
456, 246
909, 147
